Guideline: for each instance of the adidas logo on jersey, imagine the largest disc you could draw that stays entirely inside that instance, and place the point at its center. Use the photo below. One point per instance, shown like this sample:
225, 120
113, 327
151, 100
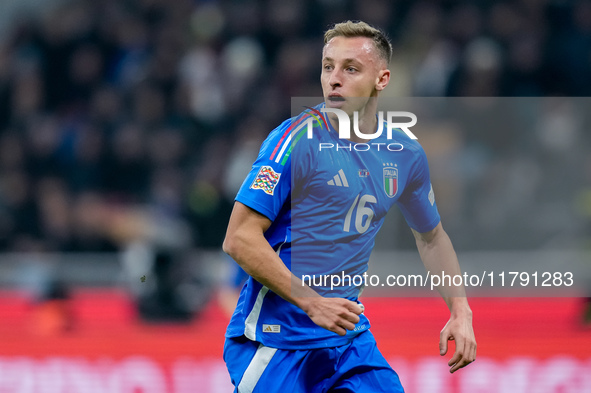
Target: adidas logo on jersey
271, 328
339, 180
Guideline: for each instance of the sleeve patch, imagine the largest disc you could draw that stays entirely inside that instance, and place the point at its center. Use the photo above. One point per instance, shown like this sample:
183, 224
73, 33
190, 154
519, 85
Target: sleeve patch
266, 180
431, 196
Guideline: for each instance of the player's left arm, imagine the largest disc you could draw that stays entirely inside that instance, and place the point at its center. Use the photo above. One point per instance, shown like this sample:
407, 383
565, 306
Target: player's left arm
438, 256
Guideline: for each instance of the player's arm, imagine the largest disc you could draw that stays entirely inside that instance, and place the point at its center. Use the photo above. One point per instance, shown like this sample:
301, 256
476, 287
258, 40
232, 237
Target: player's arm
246, 244
438, 255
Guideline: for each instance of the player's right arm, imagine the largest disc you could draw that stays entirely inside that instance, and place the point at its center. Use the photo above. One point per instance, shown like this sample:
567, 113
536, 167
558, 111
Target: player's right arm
246, 244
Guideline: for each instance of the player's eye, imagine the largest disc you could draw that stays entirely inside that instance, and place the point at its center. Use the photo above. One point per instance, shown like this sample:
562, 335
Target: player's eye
328, 67
351, 69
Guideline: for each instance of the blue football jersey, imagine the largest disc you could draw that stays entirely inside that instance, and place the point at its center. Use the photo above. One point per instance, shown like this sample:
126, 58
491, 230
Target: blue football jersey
327, 199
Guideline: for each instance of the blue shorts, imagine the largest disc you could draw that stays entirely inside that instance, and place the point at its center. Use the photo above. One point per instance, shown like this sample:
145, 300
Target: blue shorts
356, 367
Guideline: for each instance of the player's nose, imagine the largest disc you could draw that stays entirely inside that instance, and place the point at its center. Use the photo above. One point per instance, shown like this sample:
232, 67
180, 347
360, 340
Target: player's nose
335, 79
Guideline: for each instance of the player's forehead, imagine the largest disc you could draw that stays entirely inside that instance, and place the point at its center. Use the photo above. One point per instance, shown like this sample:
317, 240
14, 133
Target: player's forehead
361, 49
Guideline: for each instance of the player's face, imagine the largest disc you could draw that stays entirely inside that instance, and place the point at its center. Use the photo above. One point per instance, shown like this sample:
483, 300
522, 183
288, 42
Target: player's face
352, 72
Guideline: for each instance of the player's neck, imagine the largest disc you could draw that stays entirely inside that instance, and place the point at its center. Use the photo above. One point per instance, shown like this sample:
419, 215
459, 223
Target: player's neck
366, 124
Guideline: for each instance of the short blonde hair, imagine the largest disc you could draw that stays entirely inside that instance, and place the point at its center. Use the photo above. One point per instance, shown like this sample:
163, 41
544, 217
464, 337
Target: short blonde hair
352, 29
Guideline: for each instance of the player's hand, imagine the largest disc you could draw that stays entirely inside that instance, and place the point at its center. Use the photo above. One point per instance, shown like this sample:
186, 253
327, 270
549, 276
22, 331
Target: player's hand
459, 329
335, 314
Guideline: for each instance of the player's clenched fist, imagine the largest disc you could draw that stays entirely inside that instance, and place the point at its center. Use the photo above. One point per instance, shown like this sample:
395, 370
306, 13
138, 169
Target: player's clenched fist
334, 314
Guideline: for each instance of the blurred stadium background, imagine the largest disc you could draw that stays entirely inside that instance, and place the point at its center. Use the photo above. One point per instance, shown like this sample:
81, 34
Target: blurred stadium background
127, 126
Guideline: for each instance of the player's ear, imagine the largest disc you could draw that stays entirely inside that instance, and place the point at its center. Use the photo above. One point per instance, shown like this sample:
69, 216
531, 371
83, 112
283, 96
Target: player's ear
383, 79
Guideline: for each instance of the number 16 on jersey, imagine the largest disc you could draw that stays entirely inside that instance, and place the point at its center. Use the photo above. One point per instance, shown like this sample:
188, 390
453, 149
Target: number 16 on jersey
363, 213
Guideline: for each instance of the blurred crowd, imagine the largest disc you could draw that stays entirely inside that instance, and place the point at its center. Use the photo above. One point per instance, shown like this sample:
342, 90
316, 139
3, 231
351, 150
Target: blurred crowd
126, 119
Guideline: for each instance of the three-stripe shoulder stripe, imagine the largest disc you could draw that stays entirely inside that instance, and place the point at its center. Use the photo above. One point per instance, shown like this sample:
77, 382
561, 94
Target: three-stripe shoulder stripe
293, 134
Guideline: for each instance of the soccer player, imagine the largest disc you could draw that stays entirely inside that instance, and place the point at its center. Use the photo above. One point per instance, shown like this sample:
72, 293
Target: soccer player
306, 211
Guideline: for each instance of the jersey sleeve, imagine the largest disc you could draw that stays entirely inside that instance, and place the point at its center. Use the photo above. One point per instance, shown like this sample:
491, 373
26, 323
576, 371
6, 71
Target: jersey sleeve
268, 185
417, 202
